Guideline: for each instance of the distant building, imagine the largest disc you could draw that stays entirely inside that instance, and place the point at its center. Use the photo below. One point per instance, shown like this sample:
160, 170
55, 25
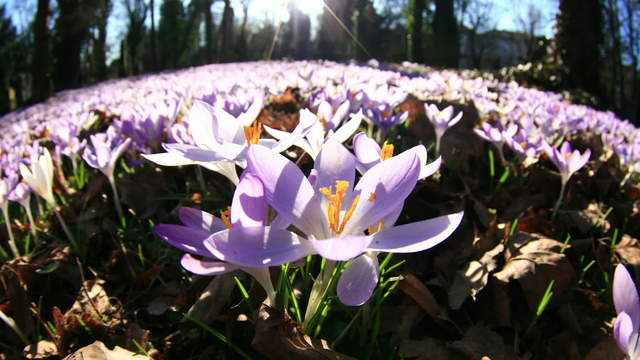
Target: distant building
494, 49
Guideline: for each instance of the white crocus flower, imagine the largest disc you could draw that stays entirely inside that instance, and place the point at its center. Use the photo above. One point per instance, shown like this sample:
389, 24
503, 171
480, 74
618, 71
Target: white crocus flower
40, 176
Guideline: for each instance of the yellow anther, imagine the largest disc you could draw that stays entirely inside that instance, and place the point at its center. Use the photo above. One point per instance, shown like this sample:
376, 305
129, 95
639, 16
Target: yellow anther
523, 144
372, 229
372, 197
323, 122
225, 215
252, 133
335, 205
387, 151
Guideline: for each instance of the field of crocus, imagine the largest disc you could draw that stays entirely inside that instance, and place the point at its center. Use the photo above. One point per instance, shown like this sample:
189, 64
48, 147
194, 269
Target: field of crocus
316, 210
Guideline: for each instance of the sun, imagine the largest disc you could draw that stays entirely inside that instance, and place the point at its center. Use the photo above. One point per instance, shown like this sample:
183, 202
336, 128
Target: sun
277, 8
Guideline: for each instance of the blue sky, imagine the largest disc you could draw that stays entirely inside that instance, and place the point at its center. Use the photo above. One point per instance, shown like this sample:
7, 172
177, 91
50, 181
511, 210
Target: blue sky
506, 14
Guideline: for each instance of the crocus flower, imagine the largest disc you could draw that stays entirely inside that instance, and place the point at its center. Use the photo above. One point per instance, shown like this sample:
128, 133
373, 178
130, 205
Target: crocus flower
221, 141
369, 153
568, 162
107, 149
497, 135
627, 303
334, 214
40, 176
382, 115
22, 195
314, 134
40, 179
441, 120
246, 224
6, 184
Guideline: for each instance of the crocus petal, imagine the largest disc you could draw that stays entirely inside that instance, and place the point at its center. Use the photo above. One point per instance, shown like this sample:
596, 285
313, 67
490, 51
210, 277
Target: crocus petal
359, 280
341, 248
201, 124
417, 236
286, 189
206, 268
622, 331
366, 150
429, 169
194, 153
249, 116
348, 128
226, 168
117, 152
625, 295
249, 207
340, 113
167, 159
226, 127
199, 219
382, 189
257, 246
184, 238
334, 162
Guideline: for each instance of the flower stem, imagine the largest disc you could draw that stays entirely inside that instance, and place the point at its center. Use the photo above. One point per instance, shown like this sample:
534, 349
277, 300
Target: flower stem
66, 229
317, 292
32, 224
12, 240
559, 201
116, 199
262, 276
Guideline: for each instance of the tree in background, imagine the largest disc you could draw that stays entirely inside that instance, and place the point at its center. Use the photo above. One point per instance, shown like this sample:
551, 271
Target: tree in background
445, 41
475, 18
8, 42
332, 41
40, 73
415, 30
226, 30
103, 10
131, 46
579, 38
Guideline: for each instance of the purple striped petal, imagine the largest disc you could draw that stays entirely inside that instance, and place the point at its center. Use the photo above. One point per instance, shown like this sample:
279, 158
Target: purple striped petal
417, 236
340, 248
199, 219
334, 162
258, 246
206, 268
286, 189
249, 207
382, 189
625, 295
359, 280
366, 149
622, 331
185, 238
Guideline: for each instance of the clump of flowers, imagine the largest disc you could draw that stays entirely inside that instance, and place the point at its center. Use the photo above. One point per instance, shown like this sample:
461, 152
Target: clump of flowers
627, 303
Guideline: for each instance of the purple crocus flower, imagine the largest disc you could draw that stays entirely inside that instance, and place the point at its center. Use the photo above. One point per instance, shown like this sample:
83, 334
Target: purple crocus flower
22, 195
627, 303
381, 114
221, 141
334, 214
568, 162
245, 225
369, 153
107, 149
497, 135
441, 120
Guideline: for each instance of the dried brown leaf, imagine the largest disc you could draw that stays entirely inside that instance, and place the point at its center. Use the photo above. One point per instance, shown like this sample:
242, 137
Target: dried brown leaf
427, 349
279, 337
479, 342
605, 349
470, 280
629, 250
98, 351
535, 261
213, 298
40, 350
419, 292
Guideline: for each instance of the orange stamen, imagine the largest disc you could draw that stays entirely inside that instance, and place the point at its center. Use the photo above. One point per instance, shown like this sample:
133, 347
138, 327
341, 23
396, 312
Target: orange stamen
372, 197
252, 133
225, 215
335, 206
387, 151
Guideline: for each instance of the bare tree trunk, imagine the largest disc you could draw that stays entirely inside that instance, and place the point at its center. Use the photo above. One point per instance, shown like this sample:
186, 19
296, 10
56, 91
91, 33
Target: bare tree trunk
446, 40
226, 44
415, 30
208, 30
99, 45
40, 75
154, 48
